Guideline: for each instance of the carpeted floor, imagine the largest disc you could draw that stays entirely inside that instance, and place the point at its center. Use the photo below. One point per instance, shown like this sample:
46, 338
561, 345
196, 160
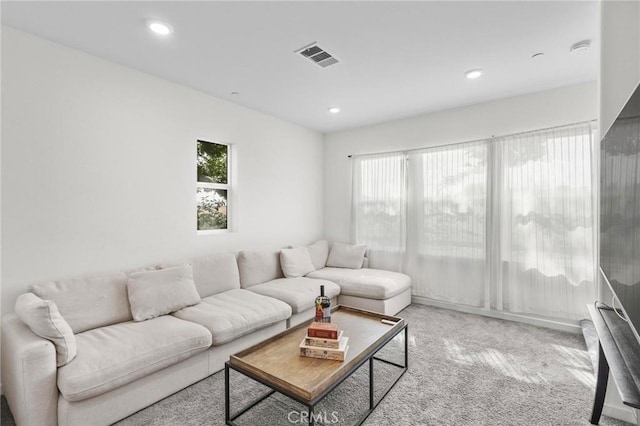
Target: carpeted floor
463, 370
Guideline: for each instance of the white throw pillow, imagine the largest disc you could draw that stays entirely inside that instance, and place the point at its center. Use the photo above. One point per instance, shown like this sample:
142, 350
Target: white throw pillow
295, 262
257, 267
155, 293
319, 252
43, 318
346, 256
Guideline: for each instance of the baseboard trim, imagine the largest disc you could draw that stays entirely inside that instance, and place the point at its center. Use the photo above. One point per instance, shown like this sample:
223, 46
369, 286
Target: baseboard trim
571, 327
620, 412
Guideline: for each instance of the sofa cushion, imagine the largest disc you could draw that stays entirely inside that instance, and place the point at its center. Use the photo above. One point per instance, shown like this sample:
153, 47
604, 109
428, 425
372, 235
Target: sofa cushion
299, 293
43, 318
368, 283
295, 262
319, 252
258, 267
159, 292
112, 356
214, 273
89, 302
235, 313
346, 256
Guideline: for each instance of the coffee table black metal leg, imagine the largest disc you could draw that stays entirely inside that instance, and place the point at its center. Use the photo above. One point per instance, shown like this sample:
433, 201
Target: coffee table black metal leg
311, 418
371, 387
406, 347
227, 403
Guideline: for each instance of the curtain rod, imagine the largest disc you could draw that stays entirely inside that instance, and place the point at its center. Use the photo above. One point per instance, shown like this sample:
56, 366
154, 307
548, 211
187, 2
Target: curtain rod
402, 151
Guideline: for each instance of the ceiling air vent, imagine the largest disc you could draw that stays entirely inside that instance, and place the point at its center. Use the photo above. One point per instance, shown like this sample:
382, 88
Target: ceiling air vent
317, 55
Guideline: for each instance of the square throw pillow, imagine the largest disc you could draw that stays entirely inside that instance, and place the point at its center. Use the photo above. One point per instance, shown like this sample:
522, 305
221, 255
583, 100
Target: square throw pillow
155, 293
346, 256
295, 262
319, 252
43, 318
257, 267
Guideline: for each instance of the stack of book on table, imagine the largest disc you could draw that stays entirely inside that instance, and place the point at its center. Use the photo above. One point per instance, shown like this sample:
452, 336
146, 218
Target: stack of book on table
324, 340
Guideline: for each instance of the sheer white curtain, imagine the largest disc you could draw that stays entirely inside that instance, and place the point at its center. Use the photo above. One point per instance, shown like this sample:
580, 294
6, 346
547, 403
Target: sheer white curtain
379, 208
547, 234
504, 224
446, 256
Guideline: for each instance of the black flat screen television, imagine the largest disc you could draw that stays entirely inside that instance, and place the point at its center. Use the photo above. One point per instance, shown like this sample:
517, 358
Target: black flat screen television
620, 210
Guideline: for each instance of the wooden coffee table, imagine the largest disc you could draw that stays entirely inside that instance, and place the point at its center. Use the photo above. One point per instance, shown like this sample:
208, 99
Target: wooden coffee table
276, 362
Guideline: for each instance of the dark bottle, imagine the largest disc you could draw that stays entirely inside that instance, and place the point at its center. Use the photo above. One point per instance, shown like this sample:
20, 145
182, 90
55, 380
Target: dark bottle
323, 307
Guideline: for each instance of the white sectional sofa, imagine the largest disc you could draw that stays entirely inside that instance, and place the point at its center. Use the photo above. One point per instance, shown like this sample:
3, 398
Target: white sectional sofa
125, 363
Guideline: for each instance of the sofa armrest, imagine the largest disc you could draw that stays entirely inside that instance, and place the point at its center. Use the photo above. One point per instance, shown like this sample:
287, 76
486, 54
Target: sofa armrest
29, 374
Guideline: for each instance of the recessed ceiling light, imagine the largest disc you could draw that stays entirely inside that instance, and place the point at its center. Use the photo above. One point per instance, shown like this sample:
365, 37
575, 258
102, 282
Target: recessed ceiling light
580, 47
537, 55
334, 110
473, 74
159, 28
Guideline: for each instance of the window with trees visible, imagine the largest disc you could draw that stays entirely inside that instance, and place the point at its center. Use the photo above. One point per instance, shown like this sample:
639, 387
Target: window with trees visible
213, 186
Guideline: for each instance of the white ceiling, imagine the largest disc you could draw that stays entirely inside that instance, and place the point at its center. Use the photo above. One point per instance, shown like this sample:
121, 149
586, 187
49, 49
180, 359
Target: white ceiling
398, 59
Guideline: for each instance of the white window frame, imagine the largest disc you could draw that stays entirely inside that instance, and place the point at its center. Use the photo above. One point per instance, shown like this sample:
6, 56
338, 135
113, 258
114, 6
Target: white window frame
209, 185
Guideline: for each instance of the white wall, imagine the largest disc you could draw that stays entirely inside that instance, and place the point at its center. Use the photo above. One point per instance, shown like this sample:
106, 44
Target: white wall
98, 168
529, 112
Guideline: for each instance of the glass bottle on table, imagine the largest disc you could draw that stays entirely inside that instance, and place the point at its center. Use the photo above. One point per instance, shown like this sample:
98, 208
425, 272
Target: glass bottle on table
323, 307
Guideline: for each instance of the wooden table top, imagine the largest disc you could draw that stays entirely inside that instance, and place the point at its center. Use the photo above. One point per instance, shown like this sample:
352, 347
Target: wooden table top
277, 362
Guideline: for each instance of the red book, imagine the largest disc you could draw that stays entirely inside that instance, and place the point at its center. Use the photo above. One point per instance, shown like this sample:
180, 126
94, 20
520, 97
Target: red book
323, 330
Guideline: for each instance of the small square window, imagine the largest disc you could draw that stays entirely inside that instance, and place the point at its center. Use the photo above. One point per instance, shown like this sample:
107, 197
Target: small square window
212, 186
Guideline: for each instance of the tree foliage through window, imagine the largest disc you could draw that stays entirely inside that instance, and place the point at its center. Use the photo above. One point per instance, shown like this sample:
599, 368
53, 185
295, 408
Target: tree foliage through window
213, 186
212, 162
